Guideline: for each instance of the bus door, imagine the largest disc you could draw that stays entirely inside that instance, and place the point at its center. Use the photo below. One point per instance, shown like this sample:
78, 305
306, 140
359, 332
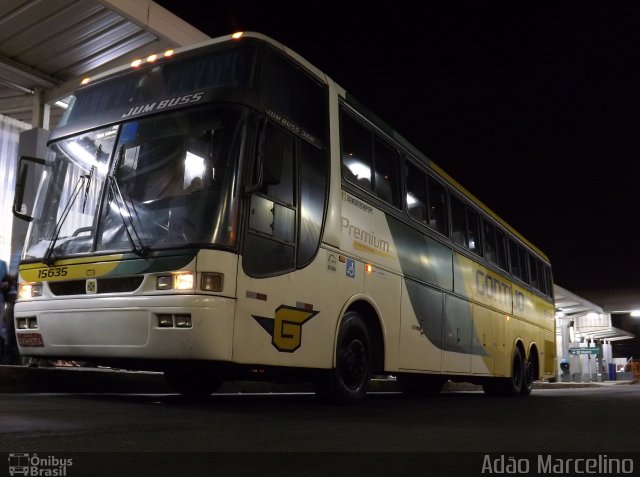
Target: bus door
281, 239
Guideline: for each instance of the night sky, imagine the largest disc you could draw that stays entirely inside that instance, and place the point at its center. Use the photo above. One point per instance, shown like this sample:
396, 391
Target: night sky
536, 113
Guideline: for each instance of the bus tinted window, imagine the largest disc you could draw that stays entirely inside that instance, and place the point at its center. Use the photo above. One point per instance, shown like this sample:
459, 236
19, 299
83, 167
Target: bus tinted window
370, 162
473, 228
306, 107
524, 264
533, 269
516, 267
313, 185
548, 280
458, 222
465, 226
519, 261
490, 249
356, 153
386, 178
501, 249
538, 275
278, 148
225, 67
437, 205
416, 193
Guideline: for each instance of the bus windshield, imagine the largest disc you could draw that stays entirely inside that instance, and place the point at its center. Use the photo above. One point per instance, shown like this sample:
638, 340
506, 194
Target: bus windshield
160, 182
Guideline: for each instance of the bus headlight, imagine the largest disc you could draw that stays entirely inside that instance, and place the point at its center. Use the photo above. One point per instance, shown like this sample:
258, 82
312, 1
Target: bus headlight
183, 281
26, 291
176, 281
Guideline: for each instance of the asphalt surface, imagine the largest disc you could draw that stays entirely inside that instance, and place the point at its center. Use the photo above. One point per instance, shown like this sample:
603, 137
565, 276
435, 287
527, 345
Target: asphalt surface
296, 434
24, 379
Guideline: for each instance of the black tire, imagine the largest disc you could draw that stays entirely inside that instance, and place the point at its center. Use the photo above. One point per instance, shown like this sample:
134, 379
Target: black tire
349, 380
512, 386
193, 381
516, 383
418, 385
530, 374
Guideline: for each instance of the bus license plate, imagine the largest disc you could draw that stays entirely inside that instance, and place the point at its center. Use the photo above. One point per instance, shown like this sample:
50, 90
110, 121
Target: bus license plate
30, 340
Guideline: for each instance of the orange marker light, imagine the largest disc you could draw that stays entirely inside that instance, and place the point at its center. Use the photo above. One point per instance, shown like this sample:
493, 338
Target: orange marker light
168, 53
369, 268
237, 35
136, 63
85, 80
152, 58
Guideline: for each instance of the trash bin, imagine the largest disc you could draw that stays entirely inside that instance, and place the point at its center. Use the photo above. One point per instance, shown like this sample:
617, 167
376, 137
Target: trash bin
565, 368
612, 371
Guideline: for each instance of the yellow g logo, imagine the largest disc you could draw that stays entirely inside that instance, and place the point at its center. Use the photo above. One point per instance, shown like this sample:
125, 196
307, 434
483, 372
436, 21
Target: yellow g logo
286, 328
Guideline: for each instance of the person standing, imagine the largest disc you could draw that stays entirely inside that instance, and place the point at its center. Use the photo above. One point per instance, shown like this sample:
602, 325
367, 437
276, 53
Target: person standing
9, 292
3, 328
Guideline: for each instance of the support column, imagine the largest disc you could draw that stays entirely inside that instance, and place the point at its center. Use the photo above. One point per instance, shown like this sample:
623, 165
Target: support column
41, 111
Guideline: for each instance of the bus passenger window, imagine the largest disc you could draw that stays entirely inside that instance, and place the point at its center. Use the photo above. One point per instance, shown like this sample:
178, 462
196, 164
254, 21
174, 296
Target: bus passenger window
524, 264
386, 172
490, 251
501, 249
356, 153
518, 256
437, 205
458, 222
416, 194
473, 224
533, 268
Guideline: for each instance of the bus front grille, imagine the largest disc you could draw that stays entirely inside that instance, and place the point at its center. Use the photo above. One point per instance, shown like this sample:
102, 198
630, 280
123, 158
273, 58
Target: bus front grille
100, 285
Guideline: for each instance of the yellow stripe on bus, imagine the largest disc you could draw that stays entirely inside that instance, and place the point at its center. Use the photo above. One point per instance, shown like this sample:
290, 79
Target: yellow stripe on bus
72, 269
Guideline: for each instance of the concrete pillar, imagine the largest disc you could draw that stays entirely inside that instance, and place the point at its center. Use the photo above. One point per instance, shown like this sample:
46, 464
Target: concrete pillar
41, 111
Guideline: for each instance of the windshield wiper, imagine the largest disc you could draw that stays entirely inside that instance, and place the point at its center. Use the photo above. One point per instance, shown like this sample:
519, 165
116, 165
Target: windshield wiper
85, 180
87, 185
48, 255
123, 208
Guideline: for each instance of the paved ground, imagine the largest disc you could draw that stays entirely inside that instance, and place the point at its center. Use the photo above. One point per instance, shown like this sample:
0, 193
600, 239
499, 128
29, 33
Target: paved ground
24, 379
295, 434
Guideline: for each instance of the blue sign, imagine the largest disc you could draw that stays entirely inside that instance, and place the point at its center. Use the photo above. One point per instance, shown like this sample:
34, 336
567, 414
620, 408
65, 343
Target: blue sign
351, 268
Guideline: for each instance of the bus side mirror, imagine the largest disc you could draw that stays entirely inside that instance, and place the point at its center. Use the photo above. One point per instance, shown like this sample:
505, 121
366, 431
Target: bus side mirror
19, 207
32, 148
267, 168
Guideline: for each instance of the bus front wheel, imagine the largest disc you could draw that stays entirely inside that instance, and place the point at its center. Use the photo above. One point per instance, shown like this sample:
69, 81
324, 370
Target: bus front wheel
349, 380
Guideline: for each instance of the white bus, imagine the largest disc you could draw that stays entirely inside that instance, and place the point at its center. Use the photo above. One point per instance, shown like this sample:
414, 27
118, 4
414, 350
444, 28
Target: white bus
228, 212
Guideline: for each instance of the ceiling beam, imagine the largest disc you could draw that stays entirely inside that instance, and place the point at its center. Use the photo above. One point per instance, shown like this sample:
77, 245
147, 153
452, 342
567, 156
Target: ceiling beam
157, 20
32, 76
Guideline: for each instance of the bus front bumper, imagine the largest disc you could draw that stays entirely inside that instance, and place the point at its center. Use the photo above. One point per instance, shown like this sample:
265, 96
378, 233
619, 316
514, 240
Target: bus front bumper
179, 327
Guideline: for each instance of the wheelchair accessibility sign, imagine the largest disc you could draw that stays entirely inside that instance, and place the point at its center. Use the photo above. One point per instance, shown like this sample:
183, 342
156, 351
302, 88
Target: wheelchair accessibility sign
351, 268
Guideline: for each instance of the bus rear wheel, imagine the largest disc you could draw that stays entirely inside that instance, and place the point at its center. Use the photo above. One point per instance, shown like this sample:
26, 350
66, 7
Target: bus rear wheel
193, 381
530, 372
512, 386
349, 380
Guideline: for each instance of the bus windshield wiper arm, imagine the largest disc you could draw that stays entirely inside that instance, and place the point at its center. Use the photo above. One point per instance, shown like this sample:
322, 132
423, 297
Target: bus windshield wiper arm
123, 208
85, 180
48, 255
